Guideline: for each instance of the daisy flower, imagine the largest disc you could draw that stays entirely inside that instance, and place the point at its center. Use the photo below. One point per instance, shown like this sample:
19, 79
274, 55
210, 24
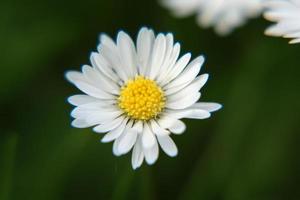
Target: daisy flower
287, 15
137, 94
223, 15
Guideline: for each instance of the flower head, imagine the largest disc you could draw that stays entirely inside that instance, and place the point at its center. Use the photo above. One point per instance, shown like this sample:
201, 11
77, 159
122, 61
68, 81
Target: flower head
137, 94
287, 15
224, 15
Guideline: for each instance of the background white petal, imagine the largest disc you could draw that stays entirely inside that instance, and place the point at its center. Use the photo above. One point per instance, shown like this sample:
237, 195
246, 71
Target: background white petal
223, 15
286, 14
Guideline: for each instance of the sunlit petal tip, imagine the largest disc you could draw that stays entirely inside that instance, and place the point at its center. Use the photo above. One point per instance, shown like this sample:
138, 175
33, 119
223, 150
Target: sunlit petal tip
79, 123
201, 59
218, 107
295, 41
215, 107
103, 37
70, 100
72, 76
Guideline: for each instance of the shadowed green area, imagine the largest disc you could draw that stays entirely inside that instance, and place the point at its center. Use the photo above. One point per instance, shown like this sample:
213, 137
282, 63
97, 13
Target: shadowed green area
248, 150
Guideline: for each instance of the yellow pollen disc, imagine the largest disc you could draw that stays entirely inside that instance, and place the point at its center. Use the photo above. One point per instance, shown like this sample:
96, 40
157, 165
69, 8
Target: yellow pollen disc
141, 98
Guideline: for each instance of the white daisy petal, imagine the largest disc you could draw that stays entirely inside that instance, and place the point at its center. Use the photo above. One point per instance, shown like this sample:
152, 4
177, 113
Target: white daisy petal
80, 123
184, 102
81, 99
293, 35
99, 62
168, 53
167, 145
113, 59
210, 107
144, 49
221, 14
294, 41
137, 94
166, 122
99, 117
138, 126
74, 76
178, 127
115, 147
99, 80
158, 55
194, 87
108, 126
151, 154
107, 41
192, 113
79, 112
137, 154
169, 64
115, 133
178, 67
84, 111
188, 74
127, 53
93, 91
287, 15
127, 141
174, 125
282, 29
176, 89
148, 138
99, 104
158, 130
182, 8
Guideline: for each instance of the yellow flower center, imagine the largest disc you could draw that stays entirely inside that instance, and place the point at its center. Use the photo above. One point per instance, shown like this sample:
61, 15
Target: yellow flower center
141, 99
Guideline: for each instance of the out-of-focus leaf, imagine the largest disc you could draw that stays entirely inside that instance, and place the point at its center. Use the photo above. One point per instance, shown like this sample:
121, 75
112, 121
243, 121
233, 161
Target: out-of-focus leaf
8, 146
124, 184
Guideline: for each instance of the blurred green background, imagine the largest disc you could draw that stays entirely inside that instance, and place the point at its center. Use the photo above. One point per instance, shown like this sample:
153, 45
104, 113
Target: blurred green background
249, 150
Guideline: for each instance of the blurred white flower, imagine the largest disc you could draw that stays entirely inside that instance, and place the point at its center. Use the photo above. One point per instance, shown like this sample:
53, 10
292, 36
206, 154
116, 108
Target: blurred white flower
223, 15
137, 94
287, 15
